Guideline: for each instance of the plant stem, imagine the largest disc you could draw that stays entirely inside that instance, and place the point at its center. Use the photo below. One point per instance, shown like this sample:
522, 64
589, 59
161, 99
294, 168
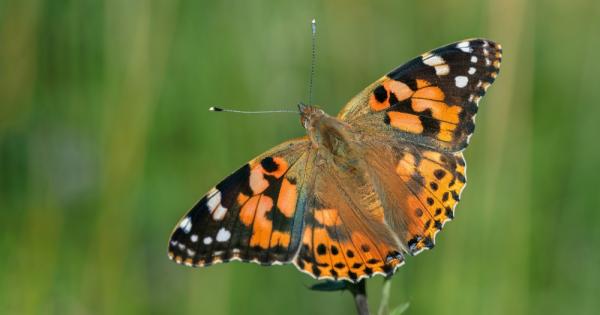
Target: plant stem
359, 291
385, 297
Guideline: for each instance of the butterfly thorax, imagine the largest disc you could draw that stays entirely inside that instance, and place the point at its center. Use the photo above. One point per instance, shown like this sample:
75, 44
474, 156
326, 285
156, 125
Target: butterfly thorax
332, 137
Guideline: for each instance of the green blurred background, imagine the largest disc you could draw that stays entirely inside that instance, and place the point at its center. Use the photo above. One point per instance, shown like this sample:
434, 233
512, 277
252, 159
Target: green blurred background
106, 141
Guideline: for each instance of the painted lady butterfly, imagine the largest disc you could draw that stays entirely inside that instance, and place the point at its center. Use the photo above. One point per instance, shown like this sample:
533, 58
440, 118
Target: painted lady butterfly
361, 189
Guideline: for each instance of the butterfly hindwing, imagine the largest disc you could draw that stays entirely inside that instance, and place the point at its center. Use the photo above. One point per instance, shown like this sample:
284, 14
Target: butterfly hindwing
431, 100
345, 235
249, 216
434, 181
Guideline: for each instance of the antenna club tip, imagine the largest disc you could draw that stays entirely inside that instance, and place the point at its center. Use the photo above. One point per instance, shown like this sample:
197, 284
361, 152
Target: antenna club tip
215, 109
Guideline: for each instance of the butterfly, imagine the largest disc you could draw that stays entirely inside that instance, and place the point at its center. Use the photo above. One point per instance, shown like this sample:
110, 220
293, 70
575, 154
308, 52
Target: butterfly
361, 190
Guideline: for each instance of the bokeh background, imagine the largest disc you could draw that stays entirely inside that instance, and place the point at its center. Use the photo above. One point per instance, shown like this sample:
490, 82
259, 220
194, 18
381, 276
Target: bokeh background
106, 141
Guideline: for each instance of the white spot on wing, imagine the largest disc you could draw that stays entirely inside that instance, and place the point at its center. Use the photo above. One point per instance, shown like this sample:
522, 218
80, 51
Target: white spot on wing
207, 240
464, 46
186, 225
434, 60
461, 81
474, 59
219, 213
223, 235
472, 70
194, 238
214, 200
442, 70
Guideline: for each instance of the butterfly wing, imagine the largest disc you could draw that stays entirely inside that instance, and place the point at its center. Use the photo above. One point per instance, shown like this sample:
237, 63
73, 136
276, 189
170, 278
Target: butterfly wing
413, 124
250, 216
419, 189
431, 100
285, 206
364, 212
345, 236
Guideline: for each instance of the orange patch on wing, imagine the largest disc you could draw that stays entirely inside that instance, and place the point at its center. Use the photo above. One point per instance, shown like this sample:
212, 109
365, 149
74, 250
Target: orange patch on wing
306, 248
430, 92
257, 182
248, 210
446, 132
432, 155
415, 210
422, 83
242, 198
321, 239
288, 196
406, 166
280, 239
306, 237
405, 122
369, 252
443, 181
400, 89
439, 110
414, 203
262, 227
376, 105
353, 256
333, 262
282, 167
327, 217
427, 168
450, 114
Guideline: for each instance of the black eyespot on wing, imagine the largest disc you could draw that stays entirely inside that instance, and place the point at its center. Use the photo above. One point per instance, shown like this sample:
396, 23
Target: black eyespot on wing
381, 94
269, 164
321, 249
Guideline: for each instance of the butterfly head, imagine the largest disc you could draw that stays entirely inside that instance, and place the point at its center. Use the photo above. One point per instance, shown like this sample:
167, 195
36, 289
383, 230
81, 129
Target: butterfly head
323, 130
308, 114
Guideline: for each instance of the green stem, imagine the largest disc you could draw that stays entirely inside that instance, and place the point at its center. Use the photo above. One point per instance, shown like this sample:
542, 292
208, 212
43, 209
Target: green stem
385, 297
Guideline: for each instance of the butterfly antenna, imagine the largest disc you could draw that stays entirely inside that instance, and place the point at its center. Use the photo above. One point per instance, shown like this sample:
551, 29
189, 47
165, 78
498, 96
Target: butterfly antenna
310, 84
219, 109
313, 59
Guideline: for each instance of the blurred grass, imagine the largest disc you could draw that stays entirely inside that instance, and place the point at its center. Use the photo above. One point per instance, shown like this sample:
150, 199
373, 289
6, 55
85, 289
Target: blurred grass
105, 142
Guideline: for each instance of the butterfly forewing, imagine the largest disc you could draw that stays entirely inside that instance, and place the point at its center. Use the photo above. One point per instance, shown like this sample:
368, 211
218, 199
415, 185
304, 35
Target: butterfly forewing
431, 100
249, 216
